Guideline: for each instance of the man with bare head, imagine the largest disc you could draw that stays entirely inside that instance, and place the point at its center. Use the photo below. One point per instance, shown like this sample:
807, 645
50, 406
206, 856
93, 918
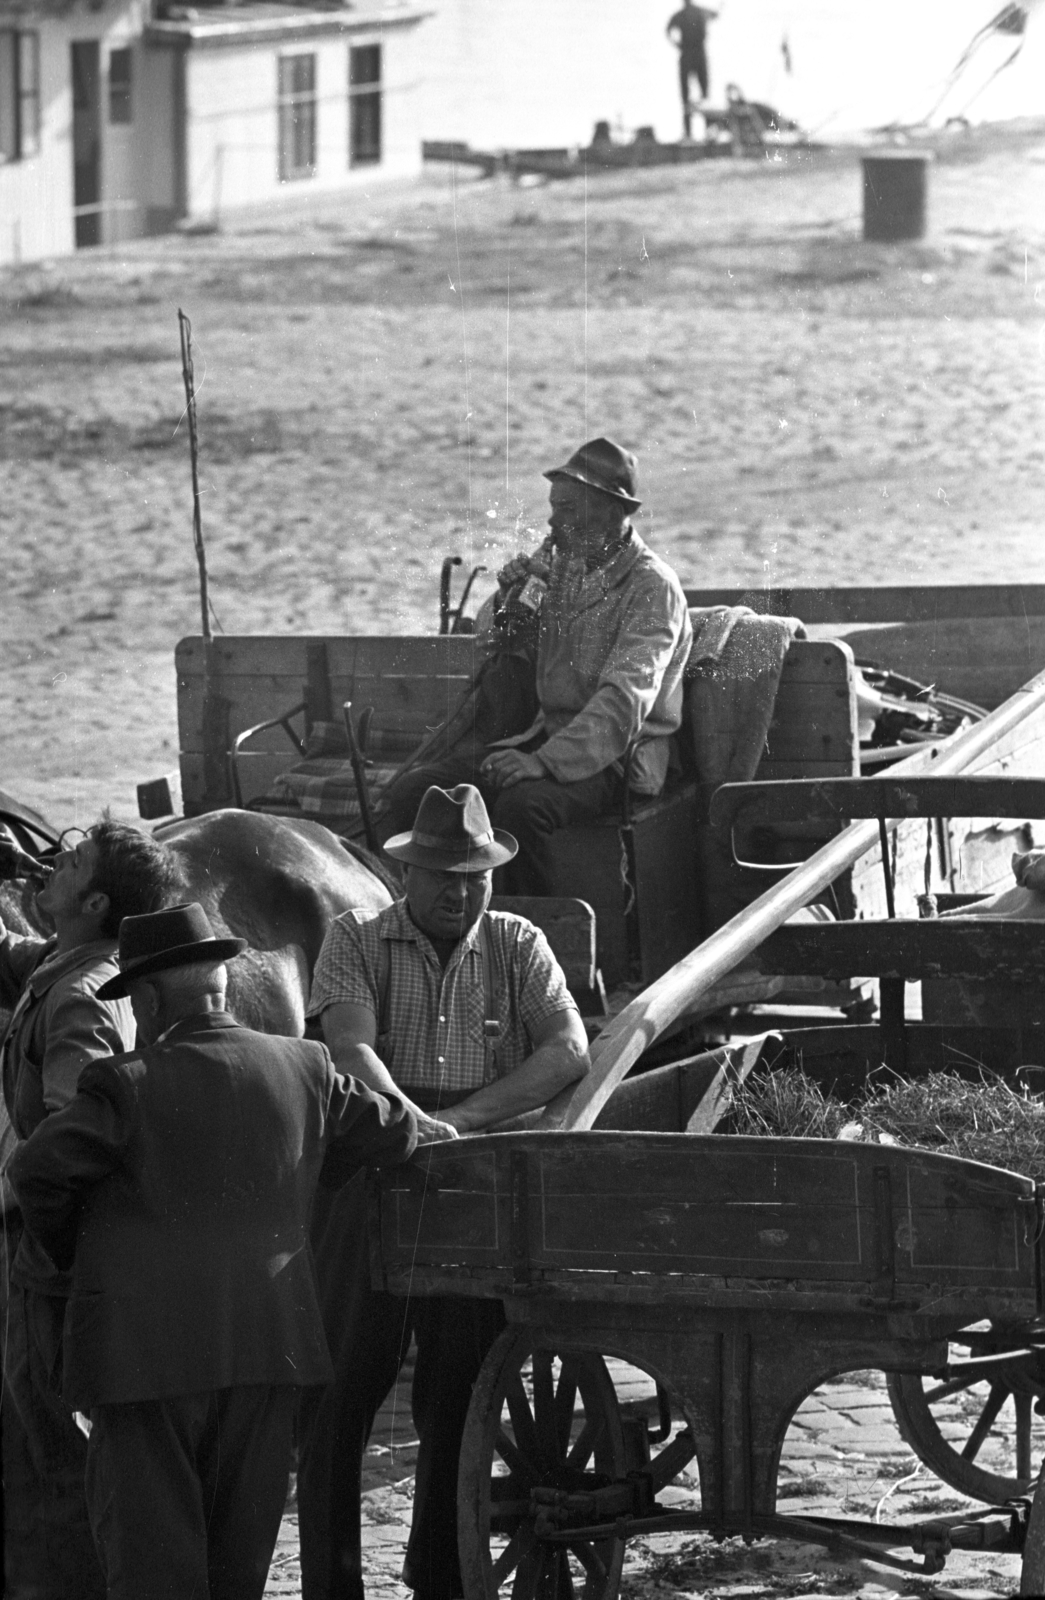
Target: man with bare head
59, 1025
613, 637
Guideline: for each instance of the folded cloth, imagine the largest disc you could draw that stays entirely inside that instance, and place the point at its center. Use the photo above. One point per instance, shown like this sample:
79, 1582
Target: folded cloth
734, 672
327, 787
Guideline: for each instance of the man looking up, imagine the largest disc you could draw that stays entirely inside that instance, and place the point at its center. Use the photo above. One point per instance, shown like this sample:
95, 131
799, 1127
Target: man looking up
59, 1025
466, 1013
614, 637
177, 1186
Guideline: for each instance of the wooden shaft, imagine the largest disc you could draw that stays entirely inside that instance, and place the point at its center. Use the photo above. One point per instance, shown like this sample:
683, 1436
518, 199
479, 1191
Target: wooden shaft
635, 1028
887, 868
355, 756
188, 375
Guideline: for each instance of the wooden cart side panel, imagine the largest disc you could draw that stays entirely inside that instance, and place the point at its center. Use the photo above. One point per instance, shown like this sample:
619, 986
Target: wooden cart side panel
772, 1210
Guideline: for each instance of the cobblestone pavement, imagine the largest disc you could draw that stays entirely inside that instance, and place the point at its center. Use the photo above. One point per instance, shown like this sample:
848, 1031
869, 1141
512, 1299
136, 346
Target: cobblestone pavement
843, 1456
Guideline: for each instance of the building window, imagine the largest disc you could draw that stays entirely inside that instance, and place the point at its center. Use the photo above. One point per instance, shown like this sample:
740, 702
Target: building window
297, 117
120, 86
19, 94
364, 105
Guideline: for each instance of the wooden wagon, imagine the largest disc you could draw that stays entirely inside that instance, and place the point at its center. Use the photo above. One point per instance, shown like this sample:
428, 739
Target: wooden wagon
740, 1274
663, 877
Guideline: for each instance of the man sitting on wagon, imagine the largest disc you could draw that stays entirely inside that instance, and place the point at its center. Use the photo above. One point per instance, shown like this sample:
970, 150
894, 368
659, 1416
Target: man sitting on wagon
613, 637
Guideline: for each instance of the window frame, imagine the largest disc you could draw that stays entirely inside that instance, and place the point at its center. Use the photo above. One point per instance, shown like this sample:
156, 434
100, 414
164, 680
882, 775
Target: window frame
122, 91
296, 117
20, 62
366, 107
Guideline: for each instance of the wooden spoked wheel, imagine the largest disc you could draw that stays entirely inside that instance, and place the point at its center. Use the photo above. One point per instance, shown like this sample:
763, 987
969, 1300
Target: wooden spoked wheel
537, 1420
986, 1439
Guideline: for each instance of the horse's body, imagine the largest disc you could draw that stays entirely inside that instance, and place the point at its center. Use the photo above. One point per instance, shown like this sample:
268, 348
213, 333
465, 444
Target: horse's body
274, 881
278, 883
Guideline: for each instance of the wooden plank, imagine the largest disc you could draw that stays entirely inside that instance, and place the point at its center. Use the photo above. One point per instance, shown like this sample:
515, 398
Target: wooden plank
917, 603
649, 1102
414, 702
797, 698
756, 1209
841, 799
284, 655
568, 925
909, 949
816, 661
823, 740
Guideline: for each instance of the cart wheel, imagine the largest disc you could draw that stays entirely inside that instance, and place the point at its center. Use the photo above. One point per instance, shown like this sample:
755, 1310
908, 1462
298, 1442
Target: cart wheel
1008, 1403
536, 1419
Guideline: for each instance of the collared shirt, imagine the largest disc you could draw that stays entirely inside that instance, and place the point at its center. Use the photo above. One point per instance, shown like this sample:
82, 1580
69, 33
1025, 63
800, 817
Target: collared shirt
612, 648
58, 1026
435, 1036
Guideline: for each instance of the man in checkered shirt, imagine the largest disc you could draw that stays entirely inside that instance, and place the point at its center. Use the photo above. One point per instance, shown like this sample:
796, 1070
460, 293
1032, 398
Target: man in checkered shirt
465, 1012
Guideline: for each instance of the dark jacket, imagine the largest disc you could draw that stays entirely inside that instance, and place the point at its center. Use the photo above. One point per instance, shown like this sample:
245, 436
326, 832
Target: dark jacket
180, 1179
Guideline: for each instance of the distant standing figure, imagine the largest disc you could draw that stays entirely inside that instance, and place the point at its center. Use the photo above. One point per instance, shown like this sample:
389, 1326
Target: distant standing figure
688, 30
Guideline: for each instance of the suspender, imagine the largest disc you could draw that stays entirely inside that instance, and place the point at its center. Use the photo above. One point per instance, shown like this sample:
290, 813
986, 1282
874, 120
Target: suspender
491, 1017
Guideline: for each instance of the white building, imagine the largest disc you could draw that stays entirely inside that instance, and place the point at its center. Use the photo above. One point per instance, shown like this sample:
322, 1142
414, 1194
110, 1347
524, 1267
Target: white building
113, 125
251, 102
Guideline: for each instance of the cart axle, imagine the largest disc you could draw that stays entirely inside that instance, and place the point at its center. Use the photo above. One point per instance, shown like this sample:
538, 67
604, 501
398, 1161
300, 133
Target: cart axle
1002, 1532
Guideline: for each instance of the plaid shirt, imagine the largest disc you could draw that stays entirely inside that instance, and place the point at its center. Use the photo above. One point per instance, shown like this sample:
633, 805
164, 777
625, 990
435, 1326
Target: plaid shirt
435, 1019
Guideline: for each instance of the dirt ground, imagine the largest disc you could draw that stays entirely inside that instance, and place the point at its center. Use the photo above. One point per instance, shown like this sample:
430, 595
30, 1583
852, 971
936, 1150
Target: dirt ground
383, 377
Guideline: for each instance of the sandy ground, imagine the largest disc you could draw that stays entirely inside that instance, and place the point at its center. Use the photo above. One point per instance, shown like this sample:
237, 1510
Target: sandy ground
382, 379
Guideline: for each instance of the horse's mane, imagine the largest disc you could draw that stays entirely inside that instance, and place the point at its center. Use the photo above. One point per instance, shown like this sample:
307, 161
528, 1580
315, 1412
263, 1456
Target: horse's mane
373, 864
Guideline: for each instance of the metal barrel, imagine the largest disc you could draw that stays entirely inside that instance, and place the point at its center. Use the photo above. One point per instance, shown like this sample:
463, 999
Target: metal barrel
896, 188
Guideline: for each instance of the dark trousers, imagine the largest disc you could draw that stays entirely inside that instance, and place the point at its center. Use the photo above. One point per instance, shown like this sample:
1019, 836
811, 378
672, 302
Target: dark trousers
532, 811
694, 64
186, 1494
369, 1335
49, 1553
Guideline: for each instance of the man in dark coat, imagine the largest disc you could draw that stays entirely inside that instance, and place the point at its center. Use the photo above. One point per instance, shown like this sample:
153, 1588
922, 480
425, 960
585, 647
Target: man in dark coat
177, 1186
58, 1025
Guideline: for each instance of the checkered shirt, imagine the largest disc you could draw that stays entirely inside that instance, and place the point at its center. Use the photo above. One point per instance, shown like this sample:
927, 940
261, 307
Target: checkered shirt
435, 1019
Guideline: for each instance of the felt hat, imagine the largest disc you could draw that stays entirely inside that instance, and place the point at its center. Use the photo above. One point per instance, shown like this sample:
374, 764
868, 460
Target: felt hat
452, 833
603, 465
175, 937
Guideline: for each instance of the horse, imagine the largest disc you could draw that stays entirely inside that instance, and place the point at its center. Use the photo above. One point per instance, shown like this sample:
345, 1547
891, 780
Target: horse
277, 882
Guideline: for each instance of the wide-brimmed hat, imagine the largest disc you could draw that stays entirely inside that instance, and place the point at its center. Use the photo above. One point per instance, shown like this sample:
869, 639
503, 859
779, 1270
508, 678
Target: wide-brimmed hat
601, 464
160, 940
452, 833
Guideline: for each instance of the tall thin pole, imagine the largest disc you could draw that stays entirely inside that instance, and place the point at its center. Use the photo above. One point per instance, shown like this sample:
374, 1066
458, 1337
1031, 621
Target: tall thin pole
185, 328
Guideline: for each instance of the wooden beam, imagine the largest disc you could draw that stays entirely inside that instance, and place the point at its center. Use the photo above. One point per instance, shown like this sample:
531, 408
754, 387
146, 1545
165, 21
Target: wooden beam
832, 799
925, 603
909, 950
